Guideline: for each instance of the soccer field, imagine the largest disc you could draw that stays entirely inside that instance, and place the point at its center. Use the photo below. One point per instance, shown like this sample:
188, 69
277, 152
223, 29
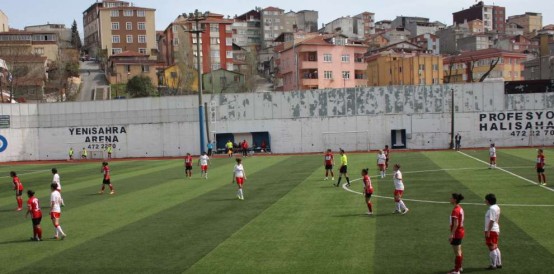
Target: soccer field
291, 221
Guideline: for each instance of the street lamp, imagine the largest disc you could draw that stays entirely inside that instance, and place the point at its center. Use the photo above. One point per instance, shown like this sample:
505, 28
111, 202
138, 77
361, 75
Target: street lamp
197, 17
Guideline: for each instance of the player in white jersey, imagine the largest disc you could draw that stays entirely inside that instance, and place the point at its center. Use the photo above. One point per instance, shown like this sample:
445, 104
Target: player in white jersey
56, 211
56, 180
239, 175
399, 191
492, 230
492, 156
203, 162
381, 163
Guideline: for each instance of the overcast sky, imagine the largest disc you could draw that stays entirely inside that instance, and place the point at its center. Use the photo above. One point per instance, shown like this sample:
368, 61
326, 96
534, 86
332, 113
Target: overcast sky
35, 12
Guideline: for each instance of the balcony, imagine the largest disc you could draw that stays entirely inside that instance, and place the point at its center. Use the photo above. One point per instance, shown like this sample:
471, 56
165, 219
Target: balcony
308, 65
309, 82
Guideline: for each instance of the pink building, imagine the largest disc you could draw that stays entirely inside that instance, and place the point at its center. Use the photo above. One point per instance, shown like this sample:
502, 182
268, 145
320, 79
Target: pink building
320, 62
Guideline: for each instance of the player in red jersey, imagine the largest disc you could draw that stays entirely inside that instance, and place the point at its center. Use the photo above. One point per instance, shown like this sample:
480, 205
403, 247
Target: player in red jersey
56, 210
106, 170
457, 231
368, 190
33, 208
18, 187
329, 162
387, 154
540, 167
188, 166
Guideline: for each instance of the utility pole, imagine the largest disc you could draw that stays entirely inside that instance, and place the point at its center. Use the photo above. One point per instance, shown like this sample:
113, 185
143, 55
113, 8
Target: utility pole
197, 17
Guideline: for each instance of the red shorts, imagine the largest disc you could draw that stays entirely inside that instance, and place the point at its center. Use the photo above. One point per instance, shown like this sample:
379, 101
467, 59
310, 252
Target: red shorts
381, 166
398, 192
204, 167
492, 239
493, 159
55, 215
240, 180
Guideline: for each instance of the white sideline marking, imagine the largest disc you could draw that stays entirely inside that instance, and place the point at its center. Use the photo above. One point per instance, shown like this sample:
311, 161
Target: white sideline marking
513, 174
434, 202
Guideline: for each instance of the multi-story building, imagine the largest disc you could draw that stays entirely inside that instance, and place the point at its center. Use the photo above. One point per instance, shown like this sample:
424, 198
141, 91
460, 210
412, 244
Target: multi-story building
475, 26
324, 61
122, 67
21, 43
403, 64
473, 43
428, 42
493, 17
514, 29
306, 20
518, 43
449, 38
112, 27
396, 35
276, 21
64, 34
247, 30
419, 28
530, 21
471, 66
383, 25
4, 22
359, 27
216, 42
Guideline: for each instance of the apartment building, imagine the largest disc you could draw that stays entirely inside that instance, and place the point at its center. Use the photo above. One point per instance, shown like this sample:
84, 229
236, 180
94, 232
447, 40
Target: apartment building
471, 66
21, 43
473, 42
247, 29
64, 34
320, 62
216, 42
403, 64
428, 42
122, 67
276, 21
530, 21
359, 27
493, 17
112, 27
4, 22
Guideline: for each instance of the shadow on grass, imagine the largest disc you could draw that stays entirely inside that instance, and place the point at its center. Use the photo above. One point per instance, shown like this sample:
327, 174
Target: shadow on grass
17, 242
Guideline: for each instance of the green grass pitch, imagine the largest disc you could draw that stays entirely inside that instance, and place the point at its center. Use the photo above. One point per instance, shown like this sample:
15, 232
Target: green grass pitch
290, 222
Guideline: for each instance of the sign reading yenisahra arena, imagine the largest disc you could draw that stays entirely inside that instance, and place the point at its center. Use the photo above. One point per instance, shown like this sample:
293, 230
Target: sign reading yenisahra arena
99, 134
535, 123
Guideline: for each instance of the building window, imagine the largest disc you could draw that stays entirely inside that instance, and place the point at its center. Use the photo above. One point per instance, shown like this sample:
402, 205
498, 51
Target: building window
214, 41
422, 67
116, 51
216, 66
145, 68
327, 57
142, 39
127, 13
141, 26
214, 27
346, 75
129, 39
115, 39
114, 13
39, 51
435, 67
175, 41
128, 68
345, 58
328, 74
129, 26
229, 54
140, 13
115, 26
215, 54
142, 51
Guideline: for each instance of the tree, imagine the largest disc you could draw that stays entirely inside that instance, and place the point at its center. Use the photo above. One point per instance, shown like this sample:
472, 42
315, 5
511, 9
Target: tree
491, 67
250, 70
184, 60
75, 37
140, 86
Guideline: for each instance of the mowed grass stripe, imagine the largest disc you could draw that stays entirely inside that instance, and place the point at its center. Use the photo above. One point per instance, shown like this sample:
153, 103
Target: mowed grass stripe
526, 247
315, 228
143, 230
80, 193
513, 190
